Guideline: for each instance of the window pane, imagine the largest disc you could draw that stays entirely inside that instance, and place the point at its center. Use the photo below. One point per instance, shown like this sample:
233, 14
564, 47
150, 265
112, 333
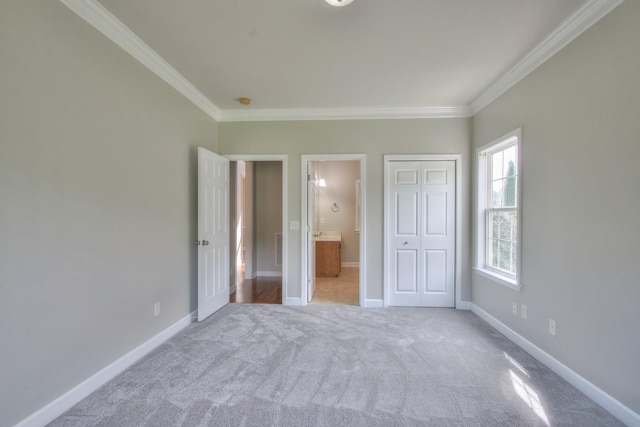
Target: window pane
504, 256
510, 186
502, 225
497, 193
509, 158
506, 225
496, 166
494, 225
492, 259
501, 243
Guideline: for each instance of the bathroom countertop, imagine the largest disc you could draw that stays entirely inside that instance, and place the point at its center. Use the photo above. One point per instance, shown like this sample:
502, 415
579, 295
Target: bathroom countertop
328, 236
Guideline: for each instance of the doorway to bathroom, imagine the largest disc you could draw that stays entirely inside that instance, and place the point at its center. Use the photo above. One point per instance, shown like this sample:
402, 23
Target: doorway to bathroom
257, 230
333, 218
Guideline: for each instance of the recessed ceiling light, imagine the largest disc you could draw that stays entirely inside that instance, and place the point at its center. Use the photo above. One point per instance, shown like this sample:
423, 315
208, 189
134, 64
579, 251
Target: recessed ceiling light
338, 2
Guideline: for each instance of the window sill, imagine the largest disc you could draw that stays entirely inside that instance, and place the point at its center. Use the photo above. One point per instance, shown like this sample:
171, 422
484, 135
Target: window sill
498, 278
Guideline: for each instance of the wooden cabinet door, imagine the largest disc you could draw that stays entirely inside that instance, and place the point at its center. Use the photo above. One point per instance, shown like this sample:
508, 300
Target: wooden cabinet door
328, 259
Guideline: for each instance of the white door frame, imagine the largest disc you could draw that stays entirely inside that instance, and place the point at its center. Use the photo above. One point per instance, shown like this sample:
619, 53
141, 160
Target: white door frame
305, 159
274, 158
457, 158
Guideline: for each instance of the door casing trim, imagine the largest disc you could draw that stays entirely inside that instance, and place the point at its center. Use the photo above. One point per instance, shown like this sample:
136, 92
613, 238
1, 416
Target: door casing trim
304, 160
285, 235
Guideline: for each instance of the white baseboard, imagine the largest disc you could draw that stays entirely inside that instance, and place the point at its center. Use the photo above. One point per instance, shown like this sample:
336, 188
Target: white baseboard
373, 303
63, 403
463, 305
293, 301
269, 274
351, 264
613, 406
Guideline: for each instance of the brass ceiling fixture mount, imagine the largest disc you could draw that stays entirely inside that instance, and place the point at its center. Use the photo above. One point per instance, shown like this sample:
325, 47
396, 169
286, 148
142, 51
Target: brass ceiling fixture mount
338, 3
244, 101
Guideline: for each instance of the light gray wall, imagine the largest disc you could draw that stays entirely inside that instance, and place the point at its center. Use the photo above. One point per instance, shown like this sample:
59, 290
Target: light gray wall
371, 137
249, 233
97, 203
581, 198
268, 219
341, 179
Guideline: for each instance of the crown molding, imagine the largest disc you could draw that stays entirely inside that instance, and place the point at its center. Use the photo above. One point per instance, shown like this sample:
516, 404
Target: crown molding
587, 15
100, 18
270, 115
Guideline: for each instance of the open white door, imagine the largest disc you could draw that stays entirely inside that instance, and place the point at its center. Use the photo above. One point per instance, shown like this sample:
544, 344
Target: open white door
213, 232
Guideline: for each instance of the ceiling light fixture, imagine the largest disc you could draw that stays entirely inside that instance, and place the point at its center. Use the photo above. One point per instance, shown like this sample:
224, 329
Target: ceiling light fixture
338, 3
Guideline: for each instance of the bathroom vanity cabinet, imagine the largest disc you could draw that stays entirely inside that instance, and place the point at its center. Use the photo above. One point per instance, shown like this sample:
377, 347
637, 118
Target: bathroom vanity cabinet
328, 258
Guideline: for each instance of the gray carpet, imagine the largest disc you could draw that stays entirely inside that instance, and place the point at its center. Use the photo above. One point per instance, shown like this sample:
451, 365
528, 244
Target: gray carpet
330, 365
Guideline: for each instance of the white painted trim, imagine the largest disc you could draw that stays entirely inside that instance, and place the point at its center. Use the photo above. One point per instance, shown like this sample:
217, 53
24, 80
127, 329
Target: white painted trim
350, 264
268, 115
583, 18
482, 189
373, 303
294, 301
100, 18
304, 159
285, 208
613, 406
65, 402
463, 305
457, 158
269, 273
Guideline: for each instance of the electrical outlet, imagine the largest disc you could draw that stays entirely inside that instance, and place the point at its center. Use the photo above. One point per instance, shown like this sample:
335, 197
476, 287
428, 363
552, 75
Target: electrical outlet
514, 308
552, 327
523, 311
156, 309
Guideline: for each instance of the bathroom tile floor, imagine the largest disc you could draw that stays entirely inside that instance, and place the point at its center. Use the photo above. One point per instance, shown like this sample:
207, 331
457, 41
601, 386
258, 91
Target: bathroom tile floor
343, 289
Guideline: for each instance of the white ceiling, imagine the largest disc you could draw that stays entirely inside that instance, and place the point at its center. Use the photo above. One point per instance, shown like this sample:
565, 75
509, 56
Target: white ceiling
372, 54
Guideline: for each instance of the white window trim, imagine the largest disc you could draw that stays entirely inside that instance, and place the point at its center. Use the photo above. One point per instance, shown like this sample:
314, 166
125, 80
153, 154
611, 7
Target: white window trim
481, 224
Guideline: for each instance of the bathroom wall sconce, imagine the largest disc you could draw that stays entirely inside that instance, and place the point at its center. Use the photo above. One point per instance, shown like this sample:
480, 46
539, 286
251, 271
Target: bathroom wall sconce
322, 182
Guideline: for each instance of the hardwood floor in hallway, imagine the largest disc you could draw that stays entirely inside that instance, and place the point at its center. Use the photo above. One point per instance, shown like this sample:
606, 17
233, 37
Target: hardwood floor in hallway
343, 289
261, 290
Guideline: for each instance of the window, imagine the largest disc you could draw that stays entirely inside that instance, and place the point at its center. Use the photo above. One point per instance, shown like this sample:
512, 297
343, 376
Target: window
498, 219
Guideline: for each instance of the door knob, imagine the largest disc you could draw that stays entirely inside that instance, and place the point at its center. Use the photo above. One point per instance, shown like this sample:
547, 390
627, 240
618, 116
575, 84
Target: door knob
405, 243
197, 242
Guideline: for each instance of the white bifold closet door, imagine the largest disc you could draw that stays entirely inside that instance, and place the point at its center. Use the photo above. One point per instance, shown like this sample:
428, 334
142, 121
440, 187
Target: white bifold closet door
421, 233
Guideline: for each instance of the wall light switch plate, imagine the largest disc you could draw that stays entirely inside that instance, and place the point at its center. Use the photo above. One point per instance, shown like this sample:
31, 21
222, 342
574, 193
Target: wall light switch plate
294, 225
552, 327
514, 308
523, 311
